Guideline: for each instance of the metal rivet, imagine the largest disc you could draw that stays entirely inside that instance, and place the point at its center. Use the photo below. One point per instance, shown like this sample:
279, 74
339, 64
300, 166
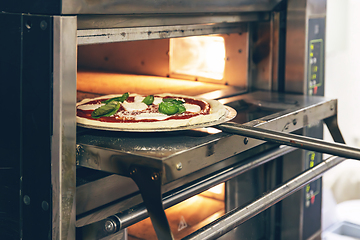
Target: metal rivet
26, 200
155, 177
179, 166
294, 121
28, 24
45, 205
132, 172
43, 25
246, 140
110, 226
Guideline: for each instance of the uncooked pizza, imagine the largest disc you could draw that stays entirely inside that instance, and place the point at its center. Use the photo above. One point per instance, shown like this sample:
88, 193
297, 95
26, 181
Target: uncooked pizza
138, 112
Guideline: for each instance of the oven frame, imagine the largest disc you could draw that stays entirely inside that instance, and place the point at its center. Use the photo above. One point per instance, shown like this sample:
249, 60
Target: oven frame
52, 61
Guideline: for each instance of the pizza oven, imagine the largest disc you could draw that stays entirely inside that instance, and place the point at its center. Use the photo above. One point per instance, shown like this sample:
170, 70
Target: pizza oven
257, 176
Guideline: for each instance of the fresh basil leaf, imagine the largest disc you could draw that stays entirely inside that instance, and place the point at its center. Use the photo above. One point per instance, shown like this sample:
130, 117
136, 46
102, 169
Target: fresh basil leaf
148, 100
168, 108
118, 99
114, 111
106, 110
173, 100
168, 99
181, 109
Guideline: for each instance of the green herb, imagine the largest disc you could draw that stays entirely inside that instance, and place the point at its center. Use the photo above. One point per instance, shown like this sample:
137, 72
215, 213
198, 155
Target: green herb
171, 106
168, 108
107, 110
181, 109
173, 100
148, 100
118, 99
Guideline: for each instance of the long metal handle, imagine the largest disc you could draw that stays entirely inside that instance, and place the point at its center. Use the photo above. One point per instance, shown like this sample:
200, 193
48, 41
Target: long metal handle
239, 215
293, 140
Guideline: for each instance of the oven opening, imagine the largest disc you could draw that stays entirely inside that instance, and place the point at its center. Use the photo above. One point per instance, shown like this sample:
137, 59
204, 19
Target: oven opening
189, 65
187, 216
200, 56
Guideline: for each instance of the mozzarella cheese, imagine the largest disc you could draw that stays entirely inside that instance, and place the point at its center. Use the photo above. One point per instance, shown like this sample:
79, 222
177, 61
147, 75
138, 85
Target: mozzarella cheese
157, 100
90, 106
134, 106
151, 116
138, 98
192, 108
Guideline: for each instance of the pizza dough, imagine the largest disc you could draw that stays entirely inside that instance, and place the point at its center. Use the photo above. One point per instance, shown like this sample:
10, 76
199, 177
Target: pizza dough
217, 111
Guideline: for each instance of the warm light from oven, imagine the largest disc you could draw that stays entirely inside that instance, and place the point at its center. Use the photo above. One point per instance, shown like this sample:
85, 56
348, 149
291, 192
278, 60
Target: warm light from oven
218, 189
200, 56
186, 216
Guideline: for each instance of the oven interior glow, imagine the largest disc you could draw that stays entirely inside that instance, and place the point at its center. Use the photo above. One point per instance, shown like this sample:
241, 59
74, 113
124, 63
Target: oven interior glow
200, 56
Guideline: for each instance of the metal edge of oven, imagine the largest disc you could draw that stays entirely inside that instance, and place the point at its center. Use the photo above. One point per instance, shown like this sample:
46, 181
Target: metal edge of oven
75, 7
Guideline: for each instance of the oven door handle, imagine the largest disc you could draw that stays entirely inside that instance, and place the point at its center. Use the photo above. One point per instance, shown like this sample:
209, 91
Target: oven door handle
307, 143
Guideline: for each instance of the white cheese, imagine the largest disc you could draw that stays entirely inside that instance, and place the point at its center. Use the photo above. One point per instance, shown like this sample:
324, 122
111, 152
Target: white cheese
152, 116
192, 107
157, 100
138, 98
90, 106
134, 106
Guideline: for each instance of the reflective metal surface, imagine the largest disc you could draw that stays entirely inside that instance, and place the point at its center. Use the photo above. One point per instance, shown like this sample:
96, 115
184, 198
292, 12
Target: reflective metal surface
239, 215
90, 36
332, 125
298, 15
293, 140
163, 6
64, 129
296, 50
101, 191
143, 20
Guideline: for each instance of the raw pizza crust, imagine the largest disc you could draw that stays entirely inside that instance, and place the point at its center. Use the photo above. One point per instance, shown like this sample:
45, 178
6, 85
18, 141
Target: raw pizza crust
217, 111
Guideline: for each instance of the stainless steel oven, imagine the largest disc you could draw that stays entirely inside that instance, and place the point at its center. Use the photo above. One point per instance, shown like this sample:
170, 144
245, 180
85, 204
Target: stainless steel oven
237, 180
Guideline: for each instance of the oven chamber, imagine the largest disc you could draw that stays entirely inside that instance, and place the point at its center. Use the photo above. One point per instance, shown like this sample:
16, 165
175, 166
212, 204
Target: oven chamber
65, 51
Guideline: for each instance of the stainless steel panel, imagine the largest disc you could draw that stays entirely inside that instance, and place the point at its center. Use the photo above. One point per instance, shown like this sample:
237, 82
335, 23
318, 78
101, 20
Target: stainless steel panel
299, 12
265, 58
64, 128
105, 190
121, 21
275, 50
92, 36
296, 49
163, 6
316, 8
260, 55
